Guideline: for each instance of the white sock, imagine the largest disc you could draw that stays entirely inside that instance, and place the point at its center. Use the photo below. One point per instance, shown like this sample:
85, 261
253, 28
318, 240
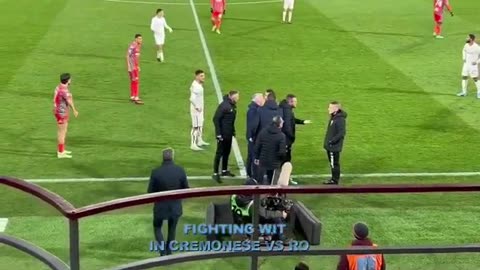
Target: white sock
290, 16
158, 54
477, 83
464, 86
284, 15
161, 56
200, 133
193, 136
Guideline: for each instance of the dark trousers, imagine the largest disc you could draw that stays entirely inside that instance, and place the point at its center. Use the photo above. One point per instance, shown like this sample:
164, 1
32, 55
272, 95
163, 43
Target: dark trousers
172, 229
334, 160
288, 157
271, 175
251, 168
224, 148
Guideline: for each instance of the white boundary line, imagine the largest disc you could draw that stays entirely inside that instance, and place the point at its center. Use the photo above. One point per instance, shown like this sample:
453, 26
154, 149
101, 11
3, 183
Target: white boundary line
3, 224
302, 176
186, 4
216, 85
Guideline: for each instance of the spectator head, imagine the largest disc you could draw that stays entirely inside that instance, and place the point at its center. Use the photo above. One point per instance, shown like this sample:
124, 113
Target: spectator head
270, 94
234, 96
292, 100
259, 99
278, 121
360, 231
168, 154
302, 266
334, 107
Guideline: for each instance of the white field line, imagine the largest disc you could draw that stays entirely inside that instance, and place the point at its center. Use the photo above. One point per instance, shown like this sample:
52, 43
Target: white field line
3, 224
186, 4
301, 176
216, 85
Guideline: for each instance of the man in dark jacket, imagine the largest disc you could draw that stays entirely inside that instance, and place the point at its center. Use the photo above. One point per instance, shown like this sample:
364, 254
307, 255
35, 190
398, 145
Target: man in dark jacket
287, 105
270, 151
367, 261
253, 128
334, 137
164, 178
269, 110
224, 122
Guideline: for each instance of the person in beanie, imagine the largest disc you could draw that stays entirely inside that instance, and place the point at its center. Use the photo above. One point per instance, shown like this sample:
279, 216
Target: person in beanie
361, 261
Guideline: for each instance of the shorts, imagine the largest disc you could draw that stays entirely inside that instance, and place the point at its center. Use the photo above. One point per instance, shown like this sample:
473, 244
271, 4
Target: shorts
61, 119
159, 39
438, 18
288, 4
133, 75
217, 14
470, 70
197, 118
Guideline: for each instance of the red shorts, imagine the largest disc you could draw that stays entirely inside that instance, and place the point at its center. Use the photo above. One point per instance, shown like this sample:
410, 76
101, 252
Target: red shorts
217, 14
61, 119
133, 75
438, 18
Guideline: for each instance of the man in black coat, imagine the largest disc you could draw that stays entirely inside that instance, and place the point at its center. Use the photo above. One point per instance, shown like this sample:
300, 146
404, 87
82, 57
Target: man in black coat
168, 176
269, 110
253, 128
289, 127
224, 122
334, 137
270, 151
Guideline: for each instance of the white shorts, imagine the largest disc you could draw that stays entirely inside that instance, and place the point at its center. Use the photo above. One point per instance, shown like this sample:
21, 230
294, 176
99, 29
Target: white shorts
159, 39
197, 118
288, 4
470, 70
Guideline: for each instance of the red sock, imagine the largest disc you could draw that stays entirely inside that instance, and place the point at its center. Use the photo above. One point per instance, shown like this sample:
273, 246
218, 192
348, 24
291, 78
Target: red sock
439, 27
61, 148
135, 89
219, 23
132, 87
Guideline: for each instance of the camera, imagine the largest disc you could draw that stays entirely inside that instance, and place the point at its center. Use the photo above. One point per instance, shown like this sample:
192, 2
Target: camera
275, 203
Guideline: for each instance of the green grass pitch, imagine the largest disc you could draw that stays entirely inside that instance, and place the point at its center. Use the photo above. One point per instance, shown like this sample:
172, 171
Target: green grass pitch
377, 57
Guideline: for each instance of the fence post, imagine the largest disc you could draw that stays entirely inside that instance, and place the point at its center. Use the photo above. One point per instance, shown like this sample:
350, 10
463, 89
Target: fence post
74, 245
256, 232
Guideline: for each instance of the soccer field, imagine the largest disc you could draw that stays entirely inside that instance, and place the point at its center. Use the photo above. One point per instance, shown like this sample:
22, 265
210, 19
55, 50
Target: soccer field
377, 57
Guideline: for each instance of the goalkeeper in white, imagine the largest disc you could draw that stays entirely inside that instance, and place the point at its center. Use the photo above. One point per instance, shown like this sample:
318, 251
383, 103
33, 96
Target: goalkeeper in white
471, 59
196, 111
158, 26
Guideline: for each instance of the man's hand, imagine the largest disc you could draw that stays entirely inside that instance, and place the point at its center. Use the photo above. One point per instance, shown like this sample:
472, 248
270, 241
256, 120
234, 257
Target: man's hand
211, 10
284, 214
170, 30
75, 113
198, 109
256, 162
138, 68
219, 138
224, 11
250, 140
307, 122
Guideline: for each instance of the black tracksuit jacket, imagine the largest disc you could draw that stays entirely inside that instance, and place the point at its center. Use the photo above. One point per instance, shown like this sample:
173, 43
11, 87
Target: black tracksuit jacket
224, 118
336, 131
270, 147
289, 122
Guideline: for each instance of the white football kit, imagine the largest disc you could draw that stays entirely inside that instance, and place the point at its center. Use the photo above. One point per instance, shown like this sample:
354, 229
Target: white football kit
288, 4
158, 27
196, 102
471, 58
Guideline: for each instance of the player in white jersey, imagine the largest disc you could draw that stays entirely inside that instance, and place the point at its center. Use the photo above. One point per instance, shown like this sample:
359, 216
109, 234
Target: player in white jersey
287, 8
158, 26
197, 111
471, 59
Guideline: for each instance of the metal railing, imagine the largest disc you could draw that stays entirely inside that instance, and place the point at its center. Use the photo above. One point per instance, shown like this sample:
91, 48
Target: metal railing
75, 214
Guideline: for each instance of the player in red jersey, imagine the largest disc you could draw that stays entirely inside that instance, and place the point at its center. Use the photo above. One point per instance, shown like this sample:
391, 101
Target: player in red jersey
62, 102
133, 66
438, 8
218, 10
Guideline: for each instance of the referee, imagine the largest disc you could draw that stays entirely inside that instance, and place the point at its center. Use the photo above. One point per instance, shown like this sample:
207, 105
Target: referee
334, 137
224, 122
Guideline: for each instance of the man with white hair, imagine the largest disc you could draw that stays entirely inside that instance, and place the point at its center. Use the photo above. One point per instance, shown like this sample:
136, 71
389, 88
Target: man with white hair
253, 126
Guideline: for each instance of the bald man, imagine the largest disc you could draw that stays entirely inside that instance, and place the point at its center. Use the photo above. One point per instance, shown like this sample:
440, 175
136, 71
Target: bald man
253, 123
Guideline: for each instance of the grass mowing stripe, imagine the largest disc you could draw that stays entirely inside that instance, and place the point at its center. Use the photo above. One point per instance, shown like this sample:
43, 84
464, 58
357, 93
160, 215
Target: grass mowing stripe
186, 4
216, 85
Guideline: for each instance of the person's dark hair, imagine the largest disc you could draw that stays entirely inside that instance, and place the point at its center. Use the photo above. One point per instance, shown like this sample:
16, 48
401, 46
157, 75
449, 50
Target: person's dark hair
471, 36
198, 72
168, 154
233, 92
335, 103
302, 266
277, 120
290, 96
65, 77
159, 10
137, 35
270, 94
